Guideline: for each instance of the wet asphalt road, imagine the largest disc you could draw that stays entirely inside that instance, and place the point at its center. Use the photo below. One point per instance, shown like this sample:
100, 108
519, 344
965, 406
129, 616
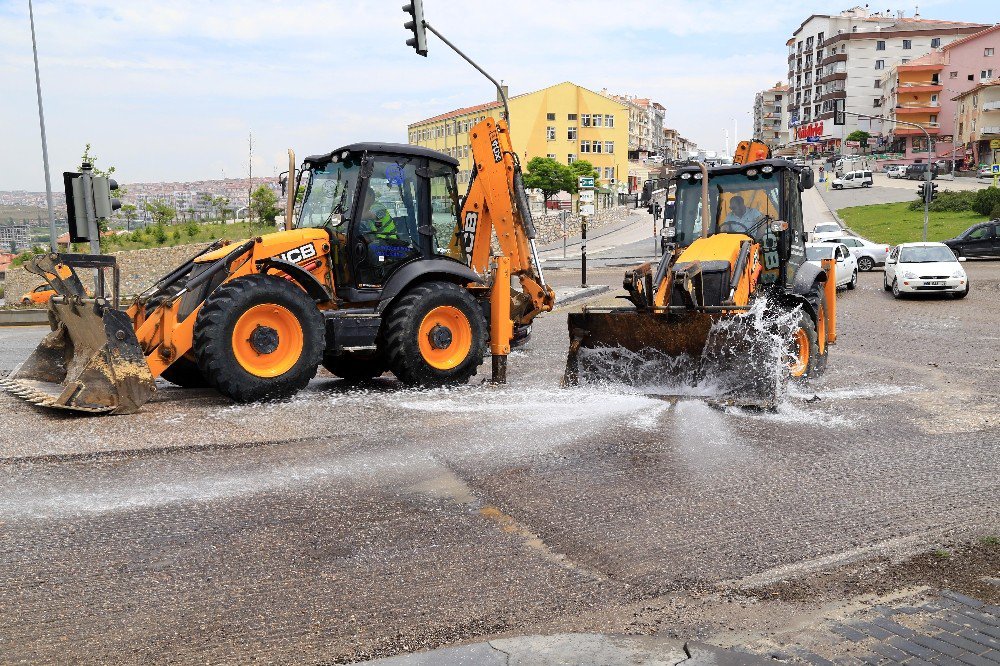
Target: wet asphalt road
379, 521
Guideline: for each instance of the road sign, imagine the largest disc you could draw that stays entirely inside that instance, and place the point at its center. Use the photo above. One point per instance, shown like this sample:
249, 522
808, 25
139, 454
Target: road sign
994, 143
996, 168
839, 116
586, 181
587, 196
586, 209
853, 144
873, 141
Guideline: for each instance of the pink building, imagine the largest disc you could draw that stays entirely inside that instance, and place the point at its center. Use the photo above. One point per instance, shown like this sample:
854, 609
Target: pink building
923, 91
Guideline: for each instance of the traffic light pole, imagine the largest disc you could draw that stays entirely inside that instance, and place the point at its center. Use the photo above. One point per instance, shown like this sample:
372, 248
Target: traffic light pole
928, 177
482, 71
93, 229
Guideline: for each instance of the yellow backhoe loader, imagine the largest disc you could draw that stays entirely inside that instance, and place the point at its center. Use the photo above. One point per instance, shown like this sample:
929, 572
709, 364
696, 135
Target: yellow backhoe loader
732, 308
388, 268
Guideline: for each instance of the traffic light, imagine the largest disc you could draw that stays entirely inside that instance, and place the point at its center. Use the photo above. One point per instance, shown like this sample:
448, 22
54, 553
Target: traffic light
932, 191
104, 203
76, 207
415, 9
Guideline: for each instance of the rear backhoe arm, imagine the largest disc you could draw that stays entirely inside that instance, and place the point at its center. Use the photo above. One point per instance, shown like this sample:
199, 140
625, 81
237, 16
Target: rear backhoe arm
496, 202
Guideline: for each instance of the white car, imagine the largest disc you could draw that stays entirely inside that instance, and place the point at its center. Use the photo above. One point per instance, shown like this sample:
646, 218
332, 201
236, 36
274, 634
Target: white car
868, 254
847, 266
925, 267
859, 178
895, 171
825, 230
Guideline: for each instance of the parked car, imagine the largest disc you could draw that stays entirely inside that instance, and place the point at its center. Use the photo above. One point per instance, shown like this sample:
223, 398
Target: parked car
895, 171
860, 178
917, 171
40, 295
868, 254
980, 240
924, 267
985, 171
825, 230
847, 267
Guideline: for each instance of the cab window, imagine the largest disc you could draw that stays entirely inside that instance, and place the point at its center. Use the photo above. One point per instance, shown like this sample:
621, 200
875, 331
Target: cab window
387, 220
447, 239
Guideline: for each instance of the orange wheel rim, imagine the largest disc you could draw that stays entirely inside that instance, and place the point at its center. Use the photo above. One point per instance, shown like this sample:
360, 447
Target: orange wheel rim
800, 341
267, 340
445, 337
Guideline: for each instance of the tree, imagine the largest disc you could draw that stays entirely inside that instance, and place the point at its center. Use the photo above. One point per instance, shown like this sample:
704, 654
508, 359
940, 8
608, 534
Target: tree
222, 205
860, 136
986, 201
549, 176
583, 168
263, 204
161, 212
130, 213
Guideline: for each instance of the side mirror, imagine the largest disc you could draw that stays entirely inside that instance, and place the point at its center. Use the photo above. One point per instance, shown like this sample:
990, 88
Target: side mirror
962, 259
807, 179
283, 182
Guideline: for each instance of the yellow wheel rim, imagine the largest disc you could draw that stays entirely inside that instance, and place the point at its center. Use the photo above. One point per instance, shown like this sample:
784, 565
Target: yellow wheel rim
267, 340
445, 337
800, 342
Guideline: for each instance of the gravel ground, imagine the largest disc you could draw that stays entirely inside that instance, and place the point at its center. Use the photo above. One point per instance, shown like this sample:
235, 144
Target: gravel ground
370, 522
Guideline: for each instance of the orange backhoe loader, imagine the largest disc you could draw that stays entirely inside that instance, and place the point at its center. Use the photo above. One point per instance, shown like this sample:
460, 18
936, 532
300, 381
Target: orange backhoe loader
388, 268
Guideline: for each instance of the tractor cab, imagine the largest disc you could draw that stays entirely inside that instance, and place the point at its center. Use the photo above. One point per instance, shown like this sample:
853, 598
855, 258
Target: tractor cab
760, 200
384, 206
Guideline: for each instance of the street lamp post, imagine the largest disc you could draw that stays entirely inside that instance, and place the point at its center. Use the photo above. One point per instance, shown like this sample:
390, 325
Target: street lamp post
927, 171
41, 124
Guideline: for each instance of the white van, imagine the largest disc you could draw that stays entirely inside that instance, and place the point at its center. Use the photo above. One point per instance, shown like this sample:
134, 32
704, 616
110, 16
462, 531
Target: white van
860, 178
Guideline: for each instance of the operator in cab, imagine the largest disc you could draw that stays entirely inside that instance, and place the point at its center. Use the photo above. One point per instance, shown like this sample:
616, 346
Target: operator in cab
376, 219
741, 219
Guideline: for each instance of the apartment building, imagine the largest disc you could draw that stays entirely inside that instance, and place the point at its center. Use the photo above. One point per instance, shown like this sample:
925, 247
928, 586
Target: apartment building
565, 122
15, 237
847, 56
979, 124
770, 119
924, 91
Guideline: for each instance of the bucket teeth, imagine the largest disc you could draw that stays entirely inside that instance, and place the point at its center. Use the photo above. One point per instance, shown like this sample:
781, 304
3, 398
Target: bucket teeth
23, 389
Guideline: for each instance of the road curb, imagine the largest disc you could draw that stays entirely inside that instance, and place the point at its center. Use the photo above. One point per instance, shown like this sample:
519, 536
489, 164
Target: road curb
25, 317
581, 293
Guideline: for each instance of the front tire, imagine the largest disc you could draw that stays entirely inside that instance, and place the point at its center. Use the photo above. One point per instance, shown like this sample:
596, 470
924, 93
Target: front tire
259, 337
853, 284
866, 264
804, 349
435, 335
896, 293
962, 294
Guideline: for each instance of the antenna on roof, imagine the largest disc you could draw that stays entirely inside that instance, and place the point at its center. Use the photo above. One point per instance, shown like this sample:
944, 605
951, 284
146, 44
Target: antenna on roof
916, 11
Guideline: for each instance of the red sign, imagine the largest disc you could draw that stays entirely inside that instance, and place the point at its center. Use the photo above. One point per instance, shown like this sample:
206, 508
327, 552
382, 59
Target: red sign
810, 130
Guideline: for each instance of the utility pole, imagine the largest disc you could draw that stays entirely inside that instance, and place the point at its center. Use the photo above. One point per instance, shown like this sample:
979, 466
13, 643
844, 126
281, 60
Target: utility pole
250, 188
41, 124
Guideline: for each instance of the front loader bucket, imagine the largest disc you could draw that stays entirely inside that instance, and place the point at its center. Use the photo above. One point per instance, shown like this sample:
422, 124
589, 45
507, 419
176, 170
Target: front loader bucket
725, 357
90, 362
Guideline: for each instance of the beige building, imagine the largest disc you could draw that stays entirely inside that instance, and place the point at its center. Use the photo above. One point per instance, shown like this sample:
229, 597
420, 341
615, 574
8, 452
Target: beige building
770, 119
979, 123
565, 122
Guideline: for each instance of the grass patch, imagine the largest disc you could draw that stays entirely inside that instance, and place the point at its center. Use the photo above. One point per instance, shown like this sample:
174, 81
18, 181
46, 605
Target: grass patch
942, 554
990, 541
184, 234
894, 223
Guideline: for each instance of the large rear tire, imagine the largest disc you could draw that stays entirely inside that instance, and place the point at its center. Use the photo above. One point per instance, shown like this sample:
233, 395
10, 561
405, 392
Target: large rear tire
259, 337
435, 335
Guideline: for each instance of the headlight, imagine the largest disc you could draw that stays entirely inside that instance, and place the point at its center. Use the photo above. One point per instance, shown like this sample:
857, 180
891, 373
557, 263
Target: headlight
910, 275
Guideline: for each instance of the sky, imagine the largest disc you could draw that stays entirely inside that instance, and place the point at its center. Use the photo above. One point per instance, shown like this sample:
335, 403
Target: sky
171, 91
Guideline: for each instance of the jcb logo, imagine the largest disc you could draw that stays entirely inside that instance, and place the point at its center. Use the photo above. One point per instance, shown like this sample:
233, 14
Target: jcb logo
495, 144
299, 254
469, 231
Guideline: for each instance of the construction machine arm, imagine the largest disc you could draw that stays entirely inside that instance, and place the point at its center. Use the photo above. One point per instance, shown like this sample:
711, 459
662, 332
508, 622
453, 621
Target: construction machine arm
496, 202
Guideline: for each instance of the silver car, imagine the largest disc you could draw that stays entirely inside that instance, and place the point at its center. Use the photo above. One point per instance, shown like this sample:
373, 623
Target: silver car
868, 254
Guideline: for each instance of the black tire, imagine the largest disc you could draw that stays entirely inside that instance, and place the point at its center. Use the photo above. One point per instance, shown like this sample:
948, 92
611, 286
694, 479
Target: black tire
402, 331
354, 367
885, 283
866, 264
214, 332
896, 293
853, 284
808, 328
184, 372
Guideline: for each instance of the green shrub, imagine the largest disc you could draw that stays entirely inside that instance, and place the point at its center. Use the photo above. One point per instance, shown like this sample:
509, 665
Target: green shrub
192, 229
176, 235
136, 236
987, 201
995, 213
159, 234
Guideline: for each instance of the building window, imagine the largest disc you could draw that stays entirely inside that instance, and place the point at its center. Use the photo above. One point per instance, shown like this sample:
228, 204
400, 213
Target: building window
952, 75
877, 101
570, 116
907, 44
551, 156
880, 45
584, 146
880, 64
906, 60
597, 146
550, 133
935, 42
609, 120
986, 75
585, 120
988, 52
609, 173
609, 146
570, 158
878, 83
550, 116
571, 133
597, 120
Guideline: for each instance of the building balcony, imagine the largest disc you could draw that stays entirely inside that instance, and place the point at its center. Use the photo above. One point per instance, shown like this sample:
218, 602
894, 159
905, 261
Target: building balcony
791, 56
917, 107
833, 94
991, 129
834, 57
919, 87
835, 76
991, 106
913, 131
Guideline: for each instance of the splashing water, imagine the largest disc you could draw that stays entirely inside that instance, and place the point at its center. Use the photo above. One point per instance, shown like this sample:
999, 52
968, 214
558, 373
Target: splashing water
744, 360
